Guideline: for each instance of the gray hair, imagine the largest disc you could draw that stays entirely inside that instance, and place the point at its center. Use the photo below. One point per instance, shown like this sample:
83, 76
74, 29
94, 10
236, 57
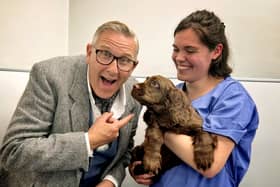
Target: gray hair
117, 27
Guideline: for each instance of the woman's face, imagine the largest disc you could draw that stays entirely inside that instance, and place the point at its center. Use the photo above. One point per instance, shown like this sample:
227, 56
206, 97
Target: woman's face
191, 57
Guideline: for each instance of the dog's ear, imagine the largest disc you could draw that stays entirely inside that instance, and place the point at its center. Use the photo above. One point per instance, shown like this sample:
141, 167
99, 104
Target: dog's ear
176, 98
181, 110
178, 105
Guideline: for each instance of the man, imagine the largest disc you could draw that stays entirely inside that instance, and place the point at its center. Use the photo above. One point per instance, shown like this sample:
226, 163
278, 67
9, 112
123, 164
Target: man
74, 124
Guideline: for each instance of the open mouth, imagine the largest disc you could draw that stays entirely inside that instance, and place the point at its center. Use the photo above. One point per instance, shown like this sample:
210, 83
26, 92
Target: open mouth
107, 81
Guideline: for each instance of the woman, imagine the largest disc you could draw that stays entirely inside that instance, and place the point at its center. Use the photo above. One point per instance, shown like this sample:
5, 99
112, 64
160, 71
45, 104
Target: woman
200, 54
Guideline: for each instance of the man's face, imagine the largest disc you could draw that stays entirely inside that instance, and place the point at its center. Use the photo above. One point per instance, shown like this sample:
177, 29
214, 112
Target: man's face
106, 80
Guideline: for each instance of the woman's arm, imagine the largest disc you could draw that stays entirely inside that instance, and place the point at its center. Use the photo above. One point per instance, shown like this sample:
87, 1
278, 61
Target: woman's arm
182, 146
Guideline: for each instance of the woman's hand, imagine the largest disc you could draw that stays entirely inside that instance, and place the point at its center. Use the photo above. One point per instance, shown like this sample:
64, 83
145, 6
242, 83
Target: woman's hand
145, 179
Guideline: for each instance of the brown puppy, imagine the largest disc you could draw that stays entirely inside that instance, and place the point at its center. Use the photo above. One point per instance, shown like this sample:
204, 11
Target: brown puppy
169, 109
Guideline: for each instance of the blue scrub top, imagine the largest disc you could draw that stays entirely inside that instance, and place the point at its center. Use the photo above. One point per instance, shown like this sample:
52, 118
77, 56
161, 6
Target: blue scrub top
227, 110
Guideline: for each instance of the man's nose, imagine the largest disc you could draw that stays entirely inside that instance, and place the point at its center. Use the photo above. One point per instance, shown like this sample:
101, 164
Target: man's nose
113, 66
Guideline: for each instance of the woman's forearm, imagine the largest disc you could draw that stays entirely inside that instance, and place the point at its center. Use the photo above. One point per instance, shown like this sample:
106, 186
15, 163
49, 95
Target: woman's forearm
182, 146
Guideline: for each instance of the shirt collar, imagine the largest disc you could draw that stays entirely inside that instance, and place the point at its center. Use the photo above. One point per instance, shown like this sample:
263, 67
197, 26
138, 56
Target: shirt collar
118, 106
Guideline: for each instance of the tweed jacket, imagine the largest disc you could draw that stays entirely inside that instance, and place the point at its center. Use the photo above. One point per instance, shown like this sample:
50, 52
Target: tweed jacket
45, 143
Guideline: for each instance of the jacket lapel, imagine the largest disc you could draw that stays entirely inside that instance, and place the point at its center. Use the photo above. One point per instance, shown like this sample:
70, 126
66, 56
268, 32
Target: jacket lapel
79, 112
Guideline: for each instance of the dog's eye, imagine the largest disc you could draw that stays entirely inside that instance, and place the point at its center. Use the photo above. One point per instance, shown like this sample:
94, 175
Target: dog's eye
155, 84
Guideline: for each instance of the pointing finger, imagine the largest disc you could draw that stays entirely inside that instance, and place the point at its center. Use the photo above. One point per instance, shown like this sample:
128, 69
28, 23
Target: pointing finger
111, 120
107, 115
121, 123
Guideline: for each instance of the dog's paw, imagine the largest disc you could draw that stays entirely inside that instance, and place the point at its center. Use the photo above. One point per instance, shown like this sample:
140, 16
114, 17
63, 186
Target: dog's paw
204, 146
152, 165
203, 160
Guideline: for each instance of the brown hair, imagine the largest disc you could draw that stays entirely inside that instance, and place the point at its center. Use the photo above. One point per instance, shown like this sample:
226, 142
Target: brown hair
211, 32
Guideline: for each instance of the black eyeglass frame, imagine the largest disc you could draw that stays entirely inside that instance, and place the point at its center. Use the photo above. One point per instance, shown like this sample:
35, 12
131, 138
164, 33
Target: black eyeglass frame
114, 57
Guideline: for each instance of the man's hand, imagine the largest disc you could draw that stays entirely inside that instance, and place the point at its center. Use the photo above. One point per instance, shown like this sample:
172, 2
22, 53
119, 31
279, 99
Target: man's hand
106, 129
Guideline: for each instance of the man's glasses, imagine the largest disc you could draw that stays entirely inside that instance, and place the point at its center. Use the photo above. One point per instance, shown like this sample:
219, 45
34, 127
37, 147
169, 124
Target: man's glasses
105, 57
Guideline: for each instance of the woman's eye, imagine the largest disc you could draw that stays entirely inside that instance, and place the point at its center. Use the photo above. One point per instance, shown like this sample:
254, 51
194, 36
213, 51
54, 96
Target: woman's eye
190, 51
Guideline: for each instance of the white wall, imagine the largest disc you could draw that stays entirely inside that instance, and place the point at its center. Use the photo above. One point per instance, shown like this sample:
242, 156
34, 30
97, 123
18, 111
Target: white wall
252, 27
32, 30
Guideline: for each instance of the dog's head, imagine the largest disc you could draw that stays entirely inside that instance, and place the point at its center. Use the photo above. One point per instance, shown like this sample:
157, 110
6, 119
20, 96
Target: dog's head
161, 96
154, 91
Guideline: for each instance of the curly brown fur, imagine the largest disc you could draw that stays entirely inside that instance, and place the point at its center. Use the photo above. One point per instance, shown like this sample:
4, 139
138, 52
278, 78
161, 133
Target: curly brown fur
169, 109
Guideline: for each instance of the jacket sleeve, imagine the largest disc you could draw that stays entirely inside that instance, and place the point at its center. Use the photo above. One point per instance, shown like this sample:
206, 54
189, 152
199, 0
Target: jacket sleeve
29, 144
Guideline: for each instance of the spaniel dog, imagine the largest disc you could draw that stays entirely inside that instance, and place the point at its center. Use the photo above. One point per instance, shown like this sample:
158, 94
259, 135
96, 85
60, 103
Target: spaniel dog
168, 109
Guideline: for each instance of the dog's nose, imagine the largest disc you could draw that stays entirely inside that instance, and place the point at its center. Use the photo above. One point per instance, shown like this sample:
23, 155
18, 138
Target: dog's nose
136, 86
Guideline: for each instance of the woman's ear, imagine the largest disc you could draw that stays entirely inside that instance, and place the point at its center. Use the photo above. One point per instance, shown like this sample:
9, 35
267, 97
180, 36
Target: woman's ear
217, 51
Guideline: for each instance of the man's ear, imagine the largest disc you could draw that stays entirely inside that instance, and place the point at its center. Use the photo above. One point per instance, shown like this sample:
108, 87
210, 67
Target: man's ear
89, 51
217, 51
